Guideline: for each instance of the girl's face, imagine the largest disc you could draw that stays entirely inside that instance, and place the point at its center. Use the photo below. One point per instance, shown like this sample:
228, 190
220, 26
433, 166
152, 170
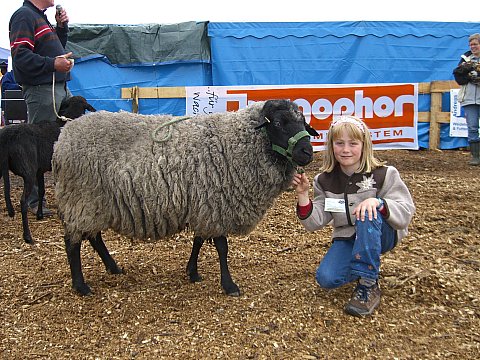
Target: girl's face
348, 152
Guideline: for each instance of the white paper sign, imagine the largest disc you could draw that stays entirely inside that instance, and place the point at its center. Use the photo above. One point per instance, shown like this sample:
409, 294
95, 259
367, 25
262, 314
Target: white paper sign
211, 99
458, 124
334, 205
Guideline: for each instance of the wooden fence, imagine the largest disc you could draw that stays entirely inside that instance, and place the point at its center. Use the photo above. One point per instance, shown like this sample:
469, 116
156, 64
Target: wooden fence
435, 116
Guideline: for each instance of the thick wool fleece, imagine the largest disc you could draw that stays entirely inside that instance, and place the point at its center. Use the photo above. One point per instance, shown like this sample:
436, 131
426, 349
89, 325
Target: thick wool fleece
216, 174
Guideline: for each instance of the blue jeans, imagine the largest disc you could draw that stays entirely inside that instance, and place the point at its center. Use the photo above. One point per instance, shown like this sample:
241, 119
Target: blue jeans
349, 259
472, 114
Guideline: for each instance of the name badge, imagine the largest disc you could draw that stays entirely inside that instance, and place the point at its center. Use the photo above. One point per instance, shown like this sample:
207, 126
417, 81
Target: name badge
334, 205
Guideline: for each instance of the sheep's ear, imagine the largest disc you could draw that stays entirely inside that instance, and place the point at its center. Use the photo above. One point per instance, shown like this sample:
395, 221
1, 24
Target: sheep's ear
311, 130
90, 108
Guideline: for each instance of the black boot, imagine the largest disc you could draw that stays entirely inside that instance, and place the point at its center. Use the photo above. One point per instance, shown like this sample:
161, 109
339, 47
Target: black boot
475, 150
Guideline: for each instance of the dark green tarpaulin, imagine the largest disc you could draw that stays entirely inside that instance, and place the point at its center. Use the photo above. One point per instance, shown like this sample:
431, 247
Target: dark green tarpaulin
145, 44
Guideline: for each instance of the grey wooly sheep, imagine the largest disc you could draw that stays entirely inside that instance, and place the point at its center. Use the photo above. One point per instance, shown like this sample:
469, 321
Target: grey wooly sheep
216, 174
27, 151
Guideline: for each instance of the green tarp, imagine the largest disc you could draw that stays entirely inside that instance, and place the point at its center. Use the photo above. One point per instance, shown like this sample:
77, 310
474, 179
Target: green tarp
145, 44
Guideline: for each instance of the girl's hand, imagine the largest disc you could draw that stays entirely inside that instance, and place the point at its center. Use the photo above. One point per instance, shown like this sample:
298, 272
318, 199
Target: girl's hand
301, 184
368, 206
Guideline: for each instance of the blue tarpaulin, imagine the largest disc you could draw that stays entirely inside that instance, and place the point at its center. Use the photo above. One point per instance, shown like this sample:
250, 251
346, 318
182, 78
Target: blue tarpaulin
336, 52
291, 53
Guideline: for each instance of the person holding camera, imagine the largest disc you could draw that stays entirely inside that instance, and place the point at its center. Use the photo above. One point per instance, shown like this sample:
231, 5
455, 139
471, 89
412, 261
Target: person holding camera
467, 74
40, 64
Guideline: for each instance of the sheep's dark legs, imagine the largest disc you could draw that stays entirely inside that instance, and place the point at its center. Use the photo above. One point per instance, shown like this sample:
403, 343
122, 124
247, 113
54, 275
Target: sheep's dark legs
99, 246
27, 189
228, 285
73, 255
6, 191
192, 270
41, 195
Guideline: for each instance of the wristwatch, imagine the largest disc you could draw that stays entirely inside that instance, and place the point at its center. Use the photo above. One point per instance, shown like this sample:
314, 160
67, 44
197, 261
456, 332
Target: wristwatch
380, 203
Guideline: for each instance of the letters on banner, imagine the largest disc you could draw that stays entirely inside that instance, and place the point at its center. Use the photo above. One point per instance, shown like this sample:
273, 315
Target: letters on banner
389, 110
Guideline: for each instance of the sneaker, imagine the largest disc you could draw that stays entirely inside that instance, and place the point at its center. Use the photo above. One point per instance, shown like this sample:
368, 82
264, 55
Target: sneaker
364, 300
46, 211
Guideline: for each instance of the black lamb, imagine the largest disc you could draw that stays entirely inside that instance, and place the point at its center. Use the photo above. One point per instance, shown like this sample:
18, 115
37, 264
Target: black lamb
27, 149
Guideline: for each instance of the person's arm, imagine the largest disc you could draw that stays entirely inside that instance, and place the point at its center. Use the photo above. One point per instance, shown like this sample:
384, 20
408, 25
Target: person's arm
302, 186
398, 202
314, 215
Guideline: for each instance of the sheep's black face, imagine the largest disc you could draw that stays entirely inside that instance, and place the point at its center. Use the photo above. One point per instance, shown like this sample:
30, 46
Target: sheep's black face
74, 107
288, 131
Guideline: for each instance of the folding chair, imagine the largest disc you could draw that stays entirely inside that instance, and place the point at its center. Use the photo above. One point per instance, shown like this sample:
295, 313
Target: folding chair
15, 108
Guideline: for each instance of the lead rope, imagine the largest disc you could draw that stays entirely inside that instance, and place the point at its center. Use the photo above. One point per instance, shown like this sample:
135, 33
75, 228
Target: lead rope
64, 118
169, 129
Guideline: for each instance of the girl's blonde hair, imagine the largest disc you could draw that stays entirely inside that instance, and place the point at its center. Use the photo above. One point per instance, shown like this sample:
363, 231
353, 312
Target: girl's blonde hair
356, 129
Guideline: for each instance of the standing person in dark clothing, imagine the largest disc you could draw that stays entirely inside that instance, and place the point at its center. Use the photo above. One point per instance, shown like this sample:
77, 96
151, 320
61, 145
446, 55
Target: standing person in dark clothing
8, 83
39, 59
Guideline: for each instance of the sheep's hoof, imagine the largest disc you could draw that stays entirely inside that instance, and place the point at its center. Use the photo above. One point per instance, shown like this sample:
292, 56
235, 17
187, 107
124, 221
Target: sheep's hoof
115, 270
235, 293
83, 290
28, 239
11, 213
194, 277
232, 290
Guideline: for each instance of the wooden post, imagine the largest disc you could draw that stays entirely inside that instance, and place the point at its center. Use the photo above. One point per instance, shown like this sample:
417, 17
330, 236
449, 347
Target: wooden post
135, 93
437, 88
435, 109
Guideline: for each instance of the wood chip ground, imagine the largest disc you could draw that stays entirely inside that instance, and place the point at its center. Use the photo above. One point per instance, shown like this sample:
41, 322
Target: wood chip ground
430, 282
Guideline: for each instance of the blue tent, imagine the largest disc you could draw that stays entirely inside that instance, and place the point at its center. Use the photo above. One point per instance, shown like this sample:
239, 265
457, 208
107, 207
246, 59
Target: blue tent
4, 54
285, 53
336, 52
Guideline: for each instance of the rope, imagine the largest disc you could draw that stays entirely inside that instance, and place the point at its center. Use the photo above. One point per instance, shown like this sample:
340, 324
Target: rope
169, 132
53, 96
